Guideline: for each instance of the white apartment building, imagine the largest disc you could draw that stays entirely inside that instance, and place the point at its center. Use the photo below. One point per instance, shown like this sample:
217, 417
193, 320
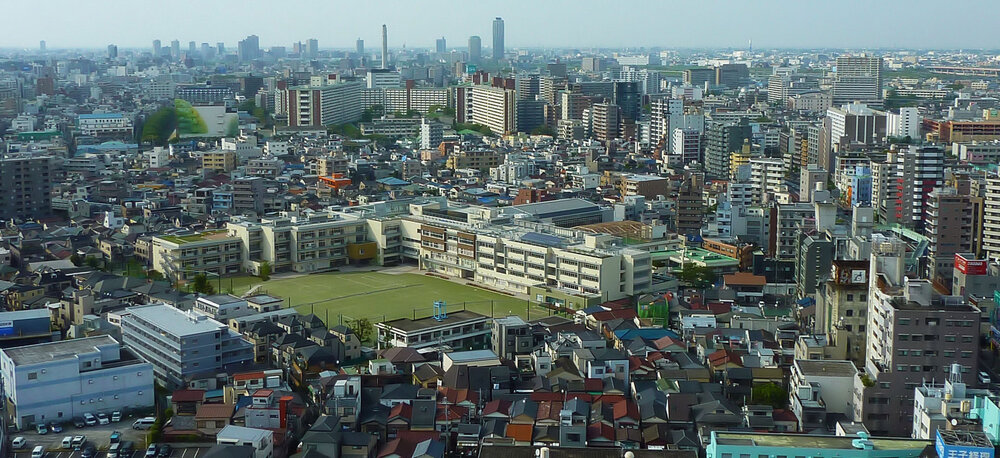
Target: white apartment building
991, 217
380, 78
821, 388
767, 177
223, 307
495, 108
57, 381
104, 124
904, 124
685, 146
324, 103
298, 243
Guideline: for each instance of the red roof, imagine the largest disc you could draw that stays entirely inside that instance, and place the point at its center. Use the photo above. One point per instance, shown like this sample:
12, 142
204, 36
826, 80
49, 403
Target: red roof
539, 396
262, 393
248, 376
600, 430
520, 433
626, 409
720, 357
497, 406
784, 415
401, 410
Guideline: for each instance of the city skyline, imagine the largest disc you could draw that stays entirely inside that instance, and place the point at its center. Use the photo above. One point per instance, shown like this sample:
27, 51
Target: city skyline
772, 24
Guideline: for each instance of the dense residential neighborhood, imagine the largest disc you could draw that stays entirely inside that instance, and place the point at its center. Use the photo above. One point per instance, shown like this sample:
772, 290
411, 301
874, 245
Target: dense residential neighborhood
277, 251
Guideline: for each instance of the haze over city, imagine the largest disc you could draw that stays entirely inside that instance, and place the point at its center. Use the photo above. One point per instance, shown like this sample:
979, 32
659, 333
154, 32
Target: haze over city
549, 23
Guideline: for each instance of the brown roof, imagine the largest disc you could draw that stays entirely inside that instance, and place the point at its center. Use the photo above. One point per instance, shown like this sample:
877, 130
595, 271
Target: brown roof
520, 433
188, 396
214, 411
744, 279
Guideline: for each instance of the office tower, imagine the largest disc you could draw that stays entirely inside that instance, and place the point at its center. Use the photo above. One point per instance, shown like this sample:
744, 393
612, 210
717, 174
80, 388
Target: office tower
156, 48
41, 46
175, 49
607, 120
206, 51
905, 124
699, 76
312, 48
25, 186
220, 49
248, 48
690, 205
665, 116
591, 64
685, 147
112, 52
921, 169
991, 217
858, 79
626, 95
949, 231
855, 123
441, 45
723, 138
475, 49
529, 115
557, 69
385, 48
914, 334
527, 86
498, 46
359, 47
731, 75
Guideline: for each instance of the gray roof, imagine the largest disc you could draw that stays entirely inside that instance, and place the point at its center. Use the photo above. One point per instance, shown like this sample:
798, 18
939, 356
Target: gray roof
55, 351
827, 368
175, 321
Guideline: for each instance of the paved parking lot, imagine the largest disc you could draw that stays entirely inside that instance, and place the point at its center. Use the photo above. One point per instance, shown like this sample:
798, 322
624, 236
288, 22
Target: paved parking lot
189, 452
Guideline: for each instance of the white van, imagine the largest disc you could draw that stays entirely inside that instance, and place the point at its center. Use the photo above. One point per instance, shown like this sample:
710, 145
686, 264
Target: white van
144, 423
38, 452
67, 442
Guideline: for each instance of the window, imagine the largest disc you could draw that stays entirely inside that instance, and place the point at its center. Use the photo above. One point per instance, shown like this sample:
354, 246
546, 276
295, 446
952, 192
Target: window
949, 338
32, 375
849, 312
904, 337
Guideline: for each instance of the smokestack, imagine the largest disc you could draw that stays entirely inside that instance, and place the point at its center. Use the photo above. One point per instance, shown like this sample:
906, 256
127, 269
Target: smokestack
385, 48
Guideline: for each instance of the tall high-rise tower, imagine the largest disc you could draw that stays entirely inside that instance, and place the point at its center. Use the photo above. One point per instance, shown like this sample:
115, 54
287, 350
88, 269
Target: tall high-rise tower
441, 45
385, 47
360, 47
475, 48
156, 48
498, 47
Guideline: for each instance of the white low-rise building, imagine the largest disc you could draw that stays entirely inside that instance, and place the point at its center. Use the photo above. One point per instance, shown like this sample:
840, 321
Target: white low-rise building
57, 381
261, 440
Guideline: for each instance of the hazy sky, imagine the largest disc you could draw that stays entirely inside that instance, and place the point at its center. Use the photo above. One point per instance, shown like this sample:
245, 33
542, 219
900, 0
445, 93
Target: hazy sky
563, 23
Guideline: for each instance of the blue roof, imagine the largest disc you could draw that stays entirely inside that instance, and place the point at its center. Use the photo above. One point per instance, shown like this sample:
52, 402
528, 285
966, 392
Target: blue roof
651, 334
392, 181
100, 115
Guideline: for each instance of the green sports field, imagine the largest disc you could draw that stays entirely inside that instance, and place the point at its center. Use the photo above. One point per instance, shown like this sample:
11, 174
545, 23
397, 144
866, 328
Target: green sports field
381, 296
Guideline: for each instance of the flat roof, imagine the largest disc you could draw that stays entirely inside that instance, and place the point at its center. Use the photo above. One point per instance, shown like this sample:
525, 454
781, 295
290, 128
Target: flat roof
56, 351
25, 314
197, 237
801, 441
471, 355
242, 433
175, 321
407, 325
832, 368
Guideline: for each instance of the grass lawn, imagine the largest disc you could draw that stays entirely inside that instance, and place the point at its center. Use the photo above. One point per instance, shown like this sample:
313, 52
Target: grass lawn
381, 296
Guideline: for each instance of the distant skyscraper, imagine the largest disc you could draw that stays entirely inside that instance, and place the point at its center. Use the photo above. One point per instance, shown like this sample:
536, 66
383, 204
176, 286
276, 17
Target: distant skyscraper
156, 48
192, 49
385, 47
498, 47
312, 48
360, 47
248, 48
220, 49
175, 49
41, 46
441, 45
475, 48
206, 51
112, 52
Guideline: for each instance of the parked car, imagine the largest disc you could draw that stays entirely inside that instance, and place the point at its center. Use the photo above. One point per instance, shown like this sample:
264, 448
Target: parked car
79, 442
55, 427
116, 437
42, 429
89, 452
38, 452
78, 422
116, 416
151, 451
67, 442
18, 443
90, 419
164, 451
984, 378
102, 419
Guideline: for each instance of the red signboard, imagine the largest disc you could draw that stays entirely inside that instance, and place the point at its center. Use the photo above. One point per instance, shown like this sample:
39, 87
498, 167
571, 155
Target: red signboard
970, 266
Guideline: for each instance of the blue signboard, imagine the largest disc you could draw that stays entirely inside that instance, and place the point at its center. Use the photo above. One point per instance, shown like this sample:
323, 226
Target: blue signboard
946, 450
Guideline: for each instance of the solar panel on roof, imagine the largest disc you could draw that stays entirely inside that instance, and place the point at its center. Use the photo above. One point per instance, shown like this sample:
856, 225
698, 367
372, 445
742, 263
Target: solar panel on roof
542, 239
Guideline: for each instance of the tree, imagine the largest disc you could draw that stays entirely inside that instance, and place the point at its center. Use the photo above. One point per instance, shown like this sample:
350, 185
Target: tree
265, 271
700, 277
154, 275
770, 394
93, 262
363, 328
200, 284
76, 259
543, 130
